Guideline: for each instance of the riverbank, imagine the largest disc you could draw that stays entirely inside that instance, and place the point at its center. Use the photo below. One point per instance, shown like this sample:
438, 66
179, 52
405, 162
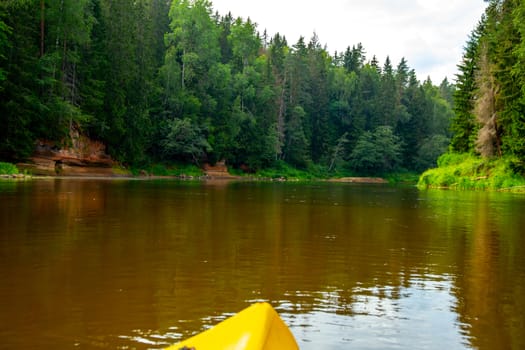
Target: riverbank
14, 177
218, 172
469, 172
9, 171
361, 180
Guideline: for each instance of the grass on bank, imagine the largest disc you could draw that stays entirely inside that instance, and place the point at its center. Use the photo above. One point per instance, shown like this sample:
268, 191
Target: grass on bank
280, 171
469, 172
314, 172
284, 171
407, 178
172, 170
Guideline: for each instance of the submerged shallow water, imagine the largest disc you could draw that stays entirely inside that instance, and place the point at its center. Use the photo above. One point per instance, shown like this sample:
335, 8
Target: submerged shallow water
122, 264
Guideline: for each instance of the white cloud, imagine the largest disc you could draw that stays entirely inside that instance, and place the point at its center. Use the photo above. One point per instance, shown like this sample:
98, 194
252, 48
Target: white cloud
430, 34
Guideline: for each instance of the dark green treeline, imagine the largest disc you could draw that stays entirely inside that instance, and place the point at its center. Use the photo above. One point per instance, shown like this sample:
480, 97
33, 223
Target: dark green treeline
159, 80
490, 96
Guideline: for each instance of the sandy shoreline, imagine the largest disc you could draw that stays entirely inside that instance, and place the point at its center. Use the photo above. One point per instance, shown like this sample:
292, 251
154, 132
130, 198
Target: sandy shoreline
361, 180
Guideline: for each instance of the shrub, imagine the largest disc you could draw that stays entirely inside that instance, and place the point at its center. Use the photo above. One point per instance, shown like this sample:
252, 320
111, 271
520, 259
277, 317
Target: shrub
467, 172
175, 170
8, 168
448, 159
377, 152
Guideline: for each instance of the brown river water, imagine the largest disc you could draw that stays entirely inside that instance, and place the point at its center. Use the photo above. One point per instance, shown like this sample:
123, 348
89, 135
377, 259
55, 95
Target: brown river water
123, 264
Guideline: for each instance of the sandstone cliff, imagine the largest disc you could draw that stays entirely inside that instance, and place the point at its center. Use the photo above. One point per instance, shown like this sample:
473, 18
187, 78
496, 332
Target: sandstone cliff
80, 157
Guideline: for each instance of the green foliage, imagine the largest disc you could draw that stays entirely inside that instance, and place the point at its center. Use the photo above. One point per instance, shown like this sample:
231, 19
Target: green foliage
162, 81
174, 170
406, 178
450, 159
489, 107
376, 152
466, 172
195, 39
244, 42
283, 171
489, 98
8, 168
430, 150
20, 105
184, 140
296, 143
464, 125
5, 44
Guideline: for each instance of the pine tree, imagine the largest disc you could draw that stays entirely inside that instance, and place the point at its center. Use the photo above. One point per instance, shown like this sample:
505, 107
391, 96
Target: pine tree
463, 125
388, 97
503, 39
277, 52
5, 44
20, 105
319, 128
516, 129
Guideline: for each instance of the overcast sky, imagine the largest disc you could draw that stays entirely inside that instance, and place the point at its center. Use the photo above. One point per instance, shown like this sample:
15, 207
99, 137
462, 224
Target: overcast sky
430, 34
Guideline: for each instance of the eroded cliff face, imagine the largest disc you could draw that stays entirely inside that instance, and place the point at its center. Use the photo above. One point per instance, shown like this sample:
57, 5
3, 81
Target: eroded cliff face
81, 156
217, 171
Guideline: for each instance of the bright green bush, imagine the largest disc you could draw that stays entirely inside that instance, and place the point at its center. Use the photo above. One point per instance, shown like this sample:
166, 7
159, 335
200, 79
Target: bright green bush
448, 159
8, 168
468, 172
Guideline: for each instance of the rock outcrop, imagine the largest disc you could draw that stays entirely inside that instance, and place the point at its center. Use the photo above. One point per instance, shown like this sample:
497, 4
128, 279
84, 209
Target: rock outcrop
81, 157
217, 171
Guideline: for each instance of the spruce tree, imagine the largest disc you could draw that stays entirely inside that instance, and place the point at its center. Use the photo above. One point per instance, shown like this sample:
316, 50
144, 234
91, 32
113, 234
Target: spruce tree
463, 126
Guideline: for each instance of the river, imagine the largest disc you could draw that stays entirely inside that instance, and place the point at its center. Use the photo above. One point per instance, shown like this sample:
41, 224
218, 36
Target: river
127, 264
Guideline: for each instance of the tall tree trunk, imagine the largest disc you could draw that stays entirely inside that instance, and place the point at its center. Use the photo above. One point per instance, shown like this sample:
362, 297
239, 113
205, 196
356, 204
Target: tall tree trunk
338, 150
487, 143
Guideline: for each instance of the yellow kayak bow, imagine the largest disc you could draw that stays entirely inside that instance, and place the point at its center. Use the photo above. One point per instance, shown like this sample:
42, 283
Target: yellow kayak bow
257, 327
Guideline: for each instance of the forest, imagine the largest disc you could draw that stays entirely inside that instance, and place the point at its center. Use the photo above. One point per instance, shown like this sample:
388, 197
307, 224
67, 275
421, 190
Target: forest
161, 81
490, 97
487, 149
